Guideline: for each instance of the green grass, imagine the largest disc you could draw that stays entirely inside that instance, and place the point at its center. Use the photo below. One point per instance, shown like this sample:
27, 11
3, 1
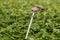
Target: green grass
15, 16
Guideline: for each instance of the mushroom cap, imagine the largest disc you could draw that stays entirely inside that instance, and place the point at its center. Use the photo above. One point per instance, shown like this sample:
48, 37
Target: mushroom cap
35, 9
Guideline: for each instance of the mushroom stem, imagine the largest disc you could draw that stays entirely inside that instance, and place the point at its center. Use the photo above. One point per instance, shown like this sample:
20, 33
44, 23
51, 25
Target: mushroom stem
29, 26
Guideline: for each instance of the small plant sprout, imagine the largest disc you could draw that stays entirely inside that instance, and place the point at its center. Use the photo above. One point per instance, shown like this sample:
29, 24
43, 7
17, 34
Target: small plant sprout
33, 10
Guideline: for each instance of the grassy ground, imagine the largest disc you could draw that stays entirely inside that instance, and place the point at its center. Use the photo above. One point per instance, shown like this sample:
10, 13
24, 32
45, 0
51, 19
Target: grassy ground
15, 16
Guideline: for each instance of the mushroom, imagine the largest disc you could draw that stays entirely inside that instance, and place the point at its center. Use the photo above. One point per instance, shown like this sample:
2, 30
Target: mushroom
33, 10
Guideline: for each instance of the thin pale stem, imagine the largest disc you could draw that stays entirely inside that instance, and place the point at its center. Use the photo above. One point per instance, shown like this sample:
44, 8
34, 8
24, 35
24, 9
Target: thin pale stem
29, 26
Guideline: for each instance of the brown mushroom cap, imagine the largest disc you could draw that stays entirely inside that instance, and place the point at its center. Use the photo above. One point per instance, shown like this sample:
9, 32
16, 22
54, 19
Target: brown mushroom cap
35, 9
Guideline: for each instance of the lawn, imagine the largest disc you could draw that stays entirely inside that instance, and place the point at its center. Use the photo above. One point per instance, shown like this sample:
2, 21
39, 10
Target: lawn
15, 16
